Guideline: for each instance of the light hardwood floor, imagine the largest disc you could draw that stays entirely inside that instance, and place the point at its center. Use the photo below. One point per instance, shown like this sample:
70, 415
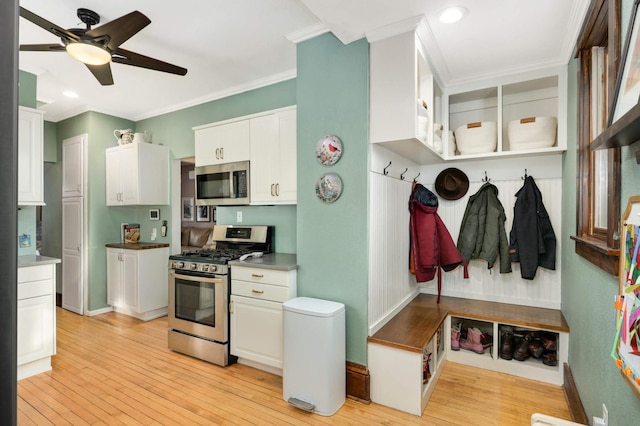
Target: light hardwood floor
115, 370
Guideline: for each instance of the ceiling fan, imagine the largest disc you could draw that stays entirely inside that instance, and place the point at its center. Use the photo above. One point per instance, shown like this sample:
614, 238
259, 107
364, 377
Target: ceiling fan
98, 46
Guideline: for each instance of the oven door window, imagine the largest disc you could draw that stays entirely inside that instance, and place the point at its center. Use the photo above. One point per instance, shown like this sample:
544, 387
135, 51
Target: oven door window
213, 185
195, 301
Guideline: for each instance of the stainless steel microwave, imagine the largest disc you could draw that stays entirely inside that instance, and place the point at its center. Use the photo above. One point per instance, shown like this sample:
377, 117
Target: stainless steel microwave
222, 184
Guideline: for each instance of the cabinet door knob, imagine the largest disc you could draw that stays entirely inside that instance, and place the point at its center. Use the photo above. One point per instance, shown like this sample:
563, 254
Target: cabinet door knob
257, 291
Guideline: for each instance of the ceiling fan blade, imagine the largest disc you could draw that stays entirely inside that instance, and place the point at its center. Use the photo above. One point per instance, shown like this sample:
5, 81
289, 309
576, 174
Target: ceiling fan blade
126, 57
121, 29
102, 73
42, 48
46, 25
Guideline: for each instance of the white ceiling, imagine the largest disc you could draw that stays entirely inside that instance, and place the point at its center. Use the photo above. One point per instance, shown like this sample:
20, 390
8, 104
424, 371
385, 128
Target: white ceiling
232, 46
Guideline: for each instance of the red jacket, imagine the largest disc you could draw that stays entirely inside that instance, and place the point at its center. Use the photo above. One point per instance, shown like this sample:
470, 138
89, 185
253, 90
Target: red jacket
432, 247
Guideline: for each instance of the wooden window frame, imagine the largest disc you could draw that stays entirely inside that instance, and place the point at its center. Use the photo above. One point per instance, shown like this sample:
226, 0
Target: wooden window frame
601, 28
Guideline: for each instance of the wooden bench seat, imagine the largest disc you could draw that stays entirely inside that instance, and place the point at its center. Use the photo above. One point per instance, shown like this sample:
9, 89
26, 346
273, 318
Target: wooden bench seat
416, 324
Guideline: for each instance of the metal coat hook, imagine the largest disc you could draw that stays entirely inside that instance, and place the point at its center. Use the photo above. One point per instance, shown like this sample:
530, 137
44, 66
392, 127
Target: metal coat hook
486, 178
403, 173
385, 169
525, 175
415, 179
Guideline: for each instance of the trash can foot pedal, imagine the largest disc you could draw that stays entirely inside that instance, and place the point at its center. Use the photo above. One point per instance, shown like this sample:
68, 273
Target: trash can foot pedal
303, 405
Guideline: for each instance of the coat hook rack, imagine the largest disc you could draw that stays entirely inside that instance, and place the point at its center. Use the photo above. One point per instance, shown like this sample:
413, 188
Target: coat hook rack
403, 173
525, 175
415, 179
385, 169
486, 178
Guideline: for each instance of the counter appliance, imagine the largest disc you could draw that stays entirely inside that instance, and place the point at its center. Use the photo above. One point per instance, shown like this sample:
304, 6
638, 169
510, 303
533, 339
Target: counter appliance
199, 287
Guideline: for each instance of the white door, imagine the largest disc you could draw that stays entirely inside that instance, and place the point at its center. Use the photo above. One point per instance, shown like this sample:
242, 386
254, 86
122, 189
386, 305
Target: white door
72, 166
73, 254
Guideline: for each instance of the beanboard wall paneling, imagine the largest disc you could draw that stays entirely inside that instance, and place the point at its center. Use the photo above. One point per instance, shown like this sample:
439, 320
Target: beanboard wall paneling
391, 285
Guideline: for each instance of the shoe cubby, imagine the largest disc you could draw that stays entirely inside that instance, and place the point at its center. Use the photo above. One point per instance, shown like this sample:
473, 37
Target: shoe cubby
475, 338
546, 366
404, 377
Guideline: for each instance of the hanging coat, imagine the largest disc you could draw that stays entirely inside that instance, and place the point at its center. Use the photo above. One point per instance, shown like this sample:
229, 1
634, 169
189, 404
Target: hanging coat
482, 234
432, 247
533, 242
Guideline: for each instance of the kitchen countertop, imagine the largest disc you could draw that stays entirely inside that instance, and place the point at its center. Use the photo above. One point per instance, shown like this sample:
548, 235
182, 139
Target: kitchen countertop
280, 261
35, 260
136, 246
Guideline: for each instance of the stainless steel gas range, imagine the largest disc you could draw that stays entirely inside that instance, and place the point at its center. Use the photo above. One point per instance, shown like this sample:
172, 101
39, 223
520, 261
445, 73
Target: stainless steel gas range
199, 287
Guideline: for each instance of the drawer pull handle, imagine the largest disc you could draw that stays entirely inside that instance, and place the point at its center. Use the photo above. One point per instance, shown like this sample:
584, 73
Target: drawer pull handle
257, 291
257, 275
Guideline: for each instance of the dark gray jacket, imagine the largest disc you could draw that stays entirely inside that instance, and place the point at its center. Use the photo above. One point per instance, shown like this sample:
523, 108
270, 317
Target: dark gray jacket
482, 233
533, 242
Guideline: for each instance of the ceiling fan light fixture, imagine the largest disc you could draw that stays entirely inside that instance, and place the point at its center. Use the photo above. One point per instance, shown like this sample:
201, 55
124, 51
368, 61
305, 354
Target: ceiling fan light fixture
88, 53
452, 14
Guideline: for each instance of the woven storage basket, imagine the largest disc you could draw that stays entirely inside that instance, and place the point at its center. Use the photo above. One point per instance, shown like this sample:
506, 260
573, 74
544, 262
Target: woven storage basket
532, 133
476, 138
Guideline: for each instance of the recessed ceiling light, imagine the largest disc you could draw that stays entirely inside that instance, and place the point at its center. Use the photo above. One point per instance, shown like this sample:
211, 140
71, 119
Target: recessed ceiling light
70, 94
452, 14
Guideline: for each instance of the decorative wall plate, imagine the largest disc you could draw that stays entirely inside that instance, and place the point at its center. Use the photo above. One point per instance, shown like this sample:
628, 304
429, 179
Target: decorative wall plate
329, 187
328, 150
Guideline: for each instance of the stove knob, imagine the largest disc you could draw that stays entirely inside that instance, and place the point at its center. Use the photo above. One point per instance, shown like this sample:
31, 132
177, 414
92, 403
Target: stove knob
180, 264
205, 268
194, 266
214, 268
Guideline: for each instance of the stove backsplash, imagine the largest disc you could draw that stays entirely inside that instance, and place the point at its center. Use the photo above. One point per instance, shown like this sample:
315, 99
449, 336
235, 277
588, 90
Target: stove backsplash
282, 218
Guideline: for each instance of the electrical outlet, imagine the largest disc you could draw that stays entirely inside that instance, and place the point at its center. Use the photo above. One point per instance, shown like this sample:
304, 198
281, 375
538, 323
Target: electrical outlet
239, 216
605, 415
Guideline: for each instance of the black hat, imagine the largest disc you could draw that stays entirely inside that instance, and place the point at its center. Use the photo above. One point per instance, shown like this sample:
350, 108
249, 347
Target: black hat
452, 184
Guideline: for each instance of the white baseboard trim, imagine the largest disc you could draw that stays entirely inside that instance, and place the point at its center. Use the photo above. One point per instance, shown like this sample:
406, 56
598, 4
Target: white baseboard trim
98, 311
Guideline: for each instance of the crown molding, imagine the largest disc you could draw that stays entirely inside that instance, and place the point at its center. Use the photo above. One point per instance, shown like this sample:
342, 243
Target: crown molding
307, 33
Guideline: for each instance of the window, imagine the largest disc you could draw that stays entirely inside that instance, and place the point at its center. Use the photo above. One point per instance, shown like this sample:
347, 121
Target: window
598, 192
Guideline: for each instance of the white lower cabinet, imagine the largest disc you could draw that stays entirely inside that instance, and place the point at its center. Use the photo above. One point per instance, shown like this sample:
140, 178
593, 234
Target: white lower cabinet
398, 376
257, 315
36, 319
137, 281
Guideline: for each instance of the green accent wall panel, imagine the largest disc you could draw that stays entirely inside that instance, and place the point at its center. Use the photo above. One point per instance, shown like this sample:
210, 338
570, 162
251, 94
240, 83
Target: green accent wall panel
28, 85
333, 99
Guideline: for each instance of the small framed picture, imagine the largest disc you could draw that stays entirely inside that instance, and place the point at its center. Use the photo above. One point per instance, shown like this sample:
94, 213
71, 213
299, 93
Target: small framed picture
154, 214
203, 214
187, 209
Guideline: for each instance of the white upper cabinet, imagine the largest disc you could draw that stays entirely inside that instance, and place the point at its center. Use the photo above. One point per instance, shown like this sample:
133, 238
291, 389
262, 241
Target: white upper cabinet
225, 142
137, 174
533, 104
73, 174
30, 157
405, 98
273, 158
414, 116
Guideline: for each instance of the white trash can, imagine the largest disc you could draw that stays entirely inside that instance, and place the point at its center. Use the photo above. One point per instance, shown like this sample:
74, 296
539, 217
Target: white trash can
313, 373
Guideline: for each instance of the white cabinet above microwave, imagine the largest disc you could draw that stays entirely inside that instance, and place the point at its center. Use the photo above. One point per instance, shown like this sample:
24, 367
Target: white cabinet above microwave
222, 143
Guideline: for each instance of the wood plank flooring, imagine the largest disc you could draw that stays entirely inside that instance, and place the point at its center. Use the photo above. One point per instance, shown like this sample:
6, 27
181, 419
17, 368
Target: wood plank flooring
116, 370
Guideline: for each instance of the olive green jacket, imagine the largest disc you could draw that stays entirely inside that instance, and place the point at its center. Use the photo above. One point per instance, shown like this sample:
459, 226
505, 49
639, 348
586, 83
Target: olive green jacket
482, 234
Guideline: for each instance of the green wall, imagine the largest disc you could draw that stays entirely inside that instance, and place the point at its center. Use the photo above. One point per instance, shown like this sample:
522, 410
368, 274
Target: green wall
333, 99
175, 131
27, 87
588, 292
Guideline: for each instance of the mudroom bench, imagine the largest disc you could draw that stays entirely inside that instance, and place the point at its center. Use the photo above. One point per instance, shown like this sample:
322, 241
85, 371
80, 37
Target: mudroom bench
421, 334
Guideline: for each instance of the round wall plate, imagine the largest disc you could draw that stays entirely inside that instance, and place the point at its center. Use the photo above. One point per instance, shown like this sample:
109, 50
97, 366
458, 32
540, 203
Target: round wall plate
328, 150
329, 187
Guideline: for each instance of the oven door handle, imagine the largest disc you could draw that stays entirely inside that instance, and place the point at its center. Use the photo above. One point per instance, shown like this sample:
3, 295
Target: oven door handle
198, 277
